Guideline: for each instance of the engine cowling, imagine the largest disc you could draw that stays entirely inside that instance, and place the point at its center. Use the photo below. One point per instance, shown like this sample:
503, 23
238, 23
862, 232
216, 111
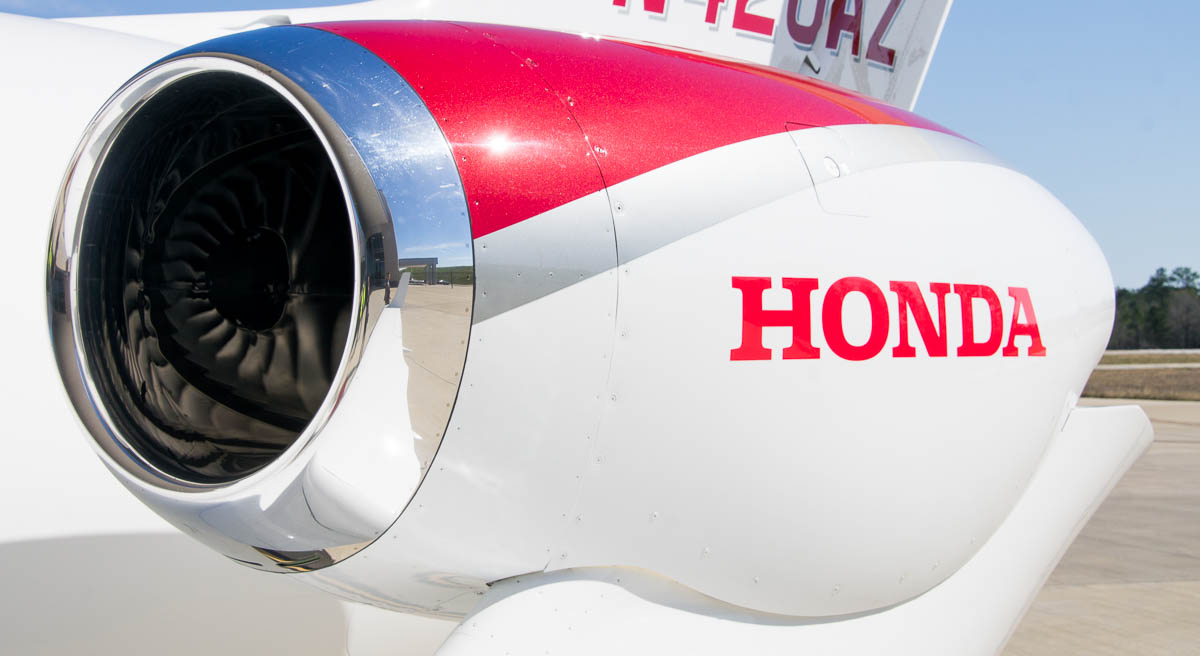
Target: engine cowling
476, 301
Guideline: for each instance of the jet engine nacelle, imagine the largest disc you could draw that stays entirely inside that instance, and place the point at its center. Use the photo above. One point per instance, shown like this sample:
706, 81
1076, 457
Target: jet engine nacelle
416, 307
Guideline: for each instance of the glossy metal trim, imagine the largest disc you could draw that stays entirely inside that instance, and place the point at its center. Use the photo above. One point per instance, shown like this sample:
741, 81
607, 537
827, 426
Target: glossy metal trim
354, 468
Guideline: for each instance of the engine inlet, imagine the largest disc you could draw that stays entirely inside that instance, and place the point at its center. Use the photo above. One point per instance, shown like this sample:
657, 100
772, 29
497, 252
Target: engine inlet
216, 277
241, 293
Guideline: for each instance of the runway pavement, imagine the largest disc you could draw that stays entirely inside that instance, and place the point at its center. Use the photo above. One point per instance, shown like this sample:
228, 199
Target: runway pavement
1130, 584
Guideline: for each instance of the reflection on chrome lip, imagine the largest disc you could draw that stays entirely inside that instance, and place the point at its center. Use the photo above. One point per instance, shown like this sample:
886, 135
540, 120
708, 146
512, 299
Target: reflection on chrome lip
352, 471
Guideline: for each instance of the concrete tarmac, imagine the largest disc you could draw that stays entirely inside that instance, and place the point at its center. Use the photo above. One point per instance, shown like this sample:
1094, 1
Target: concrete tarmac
1130, 584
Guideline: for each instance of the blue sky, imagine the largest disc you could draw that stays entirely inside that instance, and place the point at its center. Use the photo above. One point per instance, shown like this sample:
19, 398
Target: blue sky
1093, 99
1097, 101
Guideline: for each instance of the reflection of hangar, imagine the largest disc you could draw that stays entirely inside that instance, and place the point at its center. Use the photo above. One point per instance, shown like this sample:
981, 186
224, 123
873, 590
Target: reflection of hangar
430, 264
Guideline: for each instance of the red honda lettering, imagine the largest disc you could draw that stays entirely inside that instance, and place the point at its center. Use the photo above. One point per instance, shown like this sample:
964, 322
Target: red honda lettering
755, 318
908, 296
1029, 328
970, 347
831, 319
910, 302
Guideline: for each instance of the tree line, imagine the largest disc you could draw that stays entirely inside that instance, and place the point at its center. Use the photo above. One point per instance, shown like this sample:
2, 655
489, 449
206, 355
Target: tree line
1163, 313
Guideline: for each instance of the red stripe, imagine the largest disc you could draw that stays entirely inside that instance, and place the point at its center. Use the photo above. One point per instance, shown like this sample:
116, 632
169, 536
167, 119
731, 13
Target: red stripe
530, 114
480, 94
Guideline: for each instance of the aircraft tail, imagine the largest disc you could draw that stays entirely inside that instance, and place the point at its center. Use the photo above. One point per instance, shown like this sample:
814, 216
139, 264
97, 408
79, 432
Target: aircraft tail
881, 48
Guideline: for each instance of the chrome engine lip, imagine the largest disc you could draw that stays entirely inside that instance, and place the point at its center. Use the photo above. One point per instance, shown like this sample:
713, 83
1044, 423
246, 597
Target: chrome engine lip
272, 518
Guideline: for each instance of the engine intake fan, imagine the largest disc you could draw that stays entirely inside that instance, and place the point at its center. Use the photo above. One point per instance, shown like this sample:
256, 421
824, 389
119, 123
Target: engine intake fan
221, 277
228, 293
